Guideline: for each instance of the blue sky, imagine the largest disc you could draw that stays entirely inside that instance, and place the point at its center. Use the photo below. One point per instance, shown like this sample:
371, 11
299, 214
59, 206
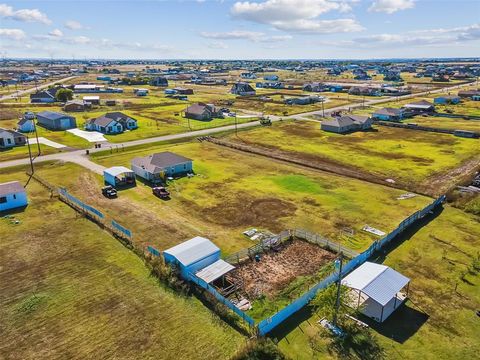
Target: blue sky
255, 29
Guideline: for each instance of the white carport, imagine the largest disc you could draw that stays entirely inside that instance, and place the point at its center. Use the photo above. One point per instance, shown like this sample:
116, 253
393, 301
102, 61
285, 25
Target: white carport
376, 290
214, 271
118, 175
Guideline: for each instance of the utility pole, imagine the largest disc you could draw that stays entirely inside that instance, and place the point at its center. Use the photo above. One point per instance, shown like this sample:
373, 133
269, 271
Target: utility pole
337, 304
323, 107
236, 126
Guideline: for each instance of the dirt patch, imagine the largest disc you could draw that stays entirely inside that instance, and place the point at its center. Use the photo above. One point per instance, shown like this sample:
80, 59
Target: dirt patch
243, 210
277, 269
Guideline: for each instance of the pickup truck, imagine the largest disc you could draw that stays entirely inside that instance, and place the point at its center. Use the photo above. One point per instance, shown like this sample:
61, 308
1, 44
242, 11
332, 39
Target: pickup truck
161, 192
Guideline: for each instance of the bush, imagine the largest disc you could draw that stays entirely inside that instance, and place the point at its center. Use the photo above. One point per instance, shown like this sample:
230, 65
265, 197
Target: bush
168, 276
64, 95
262, 349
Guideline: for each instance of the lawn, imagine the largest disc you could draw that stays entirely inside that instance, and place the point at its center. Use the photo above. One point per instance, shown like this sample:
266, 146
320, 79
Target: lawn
438, 322
407, 156
70, 290
445, 123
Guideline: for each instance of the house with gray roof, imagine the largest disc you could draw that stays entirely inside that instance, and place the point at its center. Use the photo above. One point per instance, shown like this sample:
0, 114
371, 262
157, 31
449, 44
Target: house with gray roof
111, 123
242, 89
55, 120
389, 114
160, 166
204, 112
11, 138
346, 124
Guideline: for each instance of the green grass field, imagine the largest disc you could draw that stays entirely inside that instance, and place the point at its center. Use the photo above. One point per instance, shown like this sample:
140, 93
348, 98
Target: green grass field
437, 322
70, 290
407, 156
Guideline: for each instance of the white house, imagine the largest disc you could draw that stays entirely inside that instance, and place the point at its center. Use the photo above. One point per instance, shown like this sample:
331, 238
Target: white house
12, 196
11, 138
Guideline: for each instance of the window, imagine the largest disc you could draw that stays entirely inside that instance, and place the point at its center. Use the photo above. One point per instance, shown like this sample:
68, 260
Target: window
3, 200
9, 141
15, 196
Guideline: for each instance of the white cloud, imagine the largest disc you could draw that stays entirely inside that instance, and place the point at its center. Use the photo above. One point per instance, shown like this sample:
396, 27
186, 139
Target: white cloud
245, 35
297, 15
391, 6
13, 34
56, 33
217, 45
429, 37
25, 15
74, 25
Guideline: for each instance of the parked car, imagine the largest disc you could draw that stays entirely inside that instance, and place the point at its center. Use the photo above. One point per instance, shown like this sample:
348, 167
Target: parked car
160, 192
109, 192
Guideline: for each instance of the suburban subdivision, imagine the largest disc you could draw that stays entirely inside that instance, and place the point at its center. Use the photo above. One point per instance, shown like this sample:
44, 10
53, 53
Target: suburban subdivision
189, 207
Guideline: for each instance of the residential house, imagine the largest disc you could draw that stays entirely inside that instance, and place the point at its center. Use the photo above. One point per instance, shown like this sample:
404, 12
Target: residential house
88, 88
44, 96
140, 92
158, 167
76, 105
304, 100
420, 107
111, 123
158, 81
204, 112
364, 91
56, 121
248, 75
242, 89
315, 87
347, 123
27, 122
12, 196
271, 77
11, 138
448, 99
469, 93
389, 114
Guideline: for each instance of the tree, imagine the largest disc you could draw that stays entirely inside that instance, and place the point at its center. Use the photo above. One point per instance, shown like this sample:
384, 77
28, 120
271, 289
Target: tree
63, 95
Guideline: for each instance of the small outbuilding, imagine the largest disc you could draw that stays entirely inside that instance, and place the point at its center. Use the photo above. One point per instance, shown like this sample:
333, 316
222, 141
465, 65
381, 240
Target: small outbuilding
12, 196
193, 255
449, 99
55, 120
119, 176
27, 123
376, 290
421, 106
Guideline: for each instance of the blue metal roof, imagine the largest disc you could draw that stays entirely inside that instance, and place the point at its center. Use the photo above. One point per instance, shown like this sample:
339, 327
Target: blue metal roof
52, 115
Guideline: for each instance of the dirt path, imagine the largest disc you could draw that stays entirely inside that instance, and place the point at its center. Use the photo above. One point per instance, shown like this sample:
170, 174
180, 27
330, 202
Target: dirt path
443, 182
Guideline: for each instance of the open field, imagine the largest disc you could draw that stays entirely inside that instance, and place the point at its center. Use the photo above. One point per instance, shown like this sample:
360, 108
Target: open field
407, 156
438, 322
445, 123
70, 290
233, 191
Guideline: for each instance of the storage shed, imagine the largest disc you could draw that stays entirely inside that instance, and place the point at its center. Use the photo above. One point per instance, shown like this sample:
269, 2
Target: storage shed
192, 255
55, 120
119, 176
376, 290
12, 196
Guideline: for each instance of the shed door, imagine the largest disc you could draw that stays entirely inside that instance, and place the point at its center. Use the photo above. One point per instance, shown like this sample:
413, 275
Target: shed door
64, 123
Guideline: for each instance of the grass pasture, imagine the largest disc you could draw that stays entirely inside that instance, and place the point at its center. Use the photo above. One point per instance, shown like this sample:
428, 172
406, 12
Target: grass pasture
408, 156
70, 290
438, 322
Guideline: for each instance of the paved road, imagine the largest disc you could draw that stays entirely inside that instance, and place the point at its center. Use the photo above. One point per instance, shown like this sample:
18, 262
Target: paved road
33, 89
79, 156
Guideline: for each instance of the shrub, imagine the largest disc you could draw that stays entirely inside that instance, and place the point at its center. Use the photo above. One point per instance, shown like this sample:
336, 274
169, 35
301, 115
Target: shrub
262, 349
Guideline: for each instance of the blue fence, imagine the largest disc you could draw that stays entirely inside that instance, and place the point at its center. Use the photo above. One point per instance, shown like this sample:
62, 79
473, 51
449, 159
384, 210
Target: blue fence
121, 229
153, 251
267, 325
81, 204
222, 299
